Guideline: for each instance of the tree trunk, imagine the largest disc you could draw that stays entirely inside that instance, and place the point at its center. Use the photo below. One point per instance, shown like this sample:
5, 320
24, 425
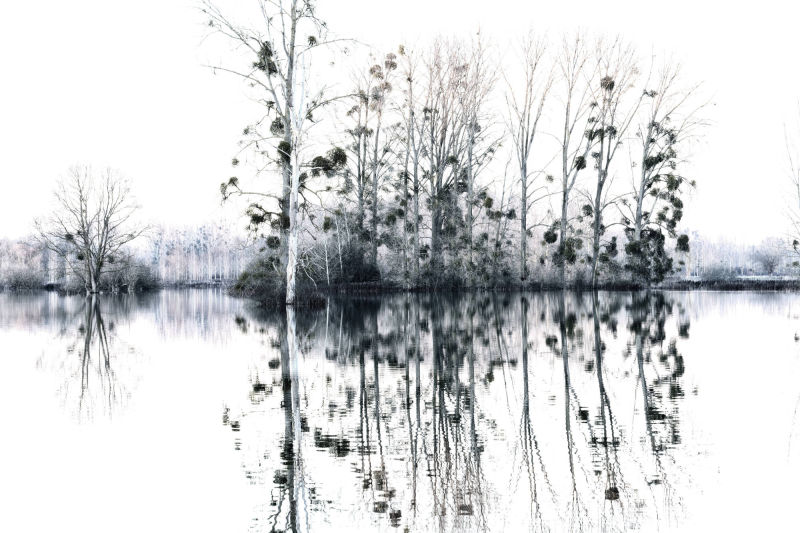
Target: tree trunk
523, 222
406, 280
374, 250
416, 219
294, 159
436, 221
470, 198
286, 173
562, 244
294, 216
596, 237
637, 221
360, 213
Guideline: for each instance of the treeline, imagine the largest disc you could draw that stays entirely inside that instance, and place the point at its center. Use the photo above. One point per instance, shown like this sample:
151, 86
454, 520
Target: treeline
458, 163
211, 254
723, 259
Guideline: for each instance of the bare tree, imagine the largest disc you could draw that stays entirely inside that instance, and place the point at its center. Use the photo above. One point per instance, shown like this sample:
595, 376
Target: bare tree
282, 50
665, 125
480, 145
357, 145
91, 224
381, 148
411, 162
525, 104
577, 73
443, 136
769, 255
614, 113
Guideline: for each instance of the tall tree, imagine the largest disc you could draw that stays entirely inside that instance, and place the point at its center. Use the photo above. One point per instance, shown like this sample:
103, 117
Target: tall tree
665, 125
525, 101
410, 146
577, 74
614, 112
442, 137
793, 207
475, 93
381, 148
358, 177
281, 50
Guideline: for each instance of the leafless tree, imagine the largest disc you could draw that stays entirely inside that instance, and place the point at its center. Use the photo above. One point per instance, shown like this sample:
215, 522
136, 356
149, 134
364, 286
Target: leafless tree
282, 49
381, 145
577, 72
525, 103
357, 145
769, 255
91, 224
667, 122
443, 135
475, 93
615, 104
410, 146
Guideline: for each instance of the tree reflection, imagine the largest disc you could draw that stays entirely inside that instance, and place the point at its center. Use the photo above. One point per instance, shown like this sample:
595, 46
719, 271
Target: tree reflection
91, 363
659, 396
532, 456
424, 372
609, 442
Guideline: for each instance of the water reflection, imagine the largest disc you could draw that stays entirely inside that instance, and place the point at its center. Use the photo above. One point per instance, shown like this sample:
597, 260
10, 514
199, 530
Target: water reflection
457, 421
89, 344
483, 412
87, 359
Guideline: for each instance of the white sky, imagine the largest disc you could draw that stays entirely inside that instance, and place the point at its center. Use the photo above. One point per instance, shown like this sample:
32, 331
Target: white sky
118, 83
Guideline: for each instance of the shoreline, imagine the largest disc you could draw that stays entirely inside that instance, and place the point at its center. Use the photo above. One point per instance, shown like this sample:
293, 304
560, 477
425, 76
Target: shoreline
380, 288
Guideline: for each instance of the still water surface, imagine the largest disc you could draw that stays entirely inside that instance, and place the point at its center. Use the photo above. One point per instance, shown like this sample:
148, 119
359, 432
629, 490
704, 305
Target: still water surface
193, 411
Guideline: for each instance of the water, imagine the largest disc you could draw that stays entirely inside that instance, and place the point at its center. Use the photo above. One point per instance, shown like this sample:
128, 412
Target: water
193, 411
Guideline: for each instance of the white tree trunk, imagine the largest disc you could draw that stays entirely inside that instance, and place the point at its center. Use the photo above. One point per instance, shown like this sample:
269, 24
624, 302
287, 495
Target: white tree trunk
294, 233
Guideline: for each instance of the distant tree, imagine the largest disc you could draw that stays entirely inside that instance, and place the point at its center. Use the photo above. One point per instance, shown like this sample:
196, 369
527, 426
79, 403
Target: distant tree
91, 224
768, 259
769, 255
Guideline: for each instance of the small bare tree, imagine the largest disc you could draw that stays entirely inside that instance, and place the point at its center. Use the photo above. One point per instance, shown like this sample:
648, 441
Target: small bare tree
91, 224
769, 255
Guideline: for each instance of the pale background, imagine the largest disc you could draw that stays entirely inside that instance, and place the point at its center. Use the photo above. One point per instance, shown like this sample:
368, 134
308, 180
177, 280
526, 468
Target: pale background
123, 84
